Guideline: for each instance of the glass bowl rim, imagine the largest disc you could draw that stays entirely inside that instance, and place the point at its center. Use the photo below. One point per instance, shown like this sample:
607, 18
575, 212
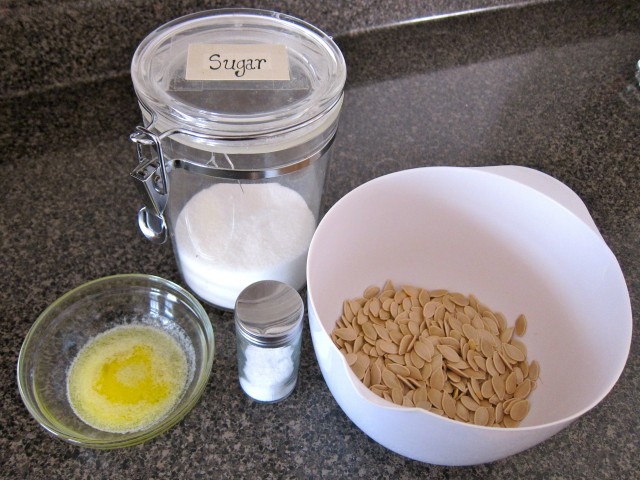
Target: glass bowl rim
173, 417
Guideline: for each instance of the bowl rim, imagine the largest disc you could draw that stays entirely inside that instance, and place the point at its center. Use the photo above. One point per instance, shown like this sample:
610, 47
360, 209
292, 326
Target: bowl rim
363, 392
172, 417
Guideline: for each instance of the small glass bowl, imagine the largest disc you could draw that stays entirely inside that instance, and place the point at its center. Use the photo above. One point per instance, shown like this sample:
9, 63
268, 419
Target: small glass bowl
70, 322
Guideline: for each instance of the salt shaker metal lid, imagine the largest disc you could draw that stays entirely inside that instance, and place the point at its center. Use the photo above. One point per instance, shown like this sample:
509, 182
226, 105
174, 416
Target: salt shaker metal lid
269, 313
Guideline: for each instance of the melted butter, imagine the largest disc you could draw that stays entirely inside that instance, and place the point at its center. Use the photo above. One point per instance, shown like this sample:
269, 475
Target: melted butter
127, 378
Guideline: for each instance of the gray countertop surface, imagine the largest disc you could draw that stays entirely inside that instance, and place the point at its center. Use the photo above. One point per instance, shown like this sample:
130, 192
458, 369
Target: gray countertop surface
549, 86
53, 43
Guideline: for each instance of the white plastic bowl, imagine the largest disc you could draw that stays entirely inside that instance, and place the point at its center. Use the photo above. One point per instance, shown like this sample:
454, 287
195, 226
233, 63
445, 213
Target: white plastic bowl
519, 251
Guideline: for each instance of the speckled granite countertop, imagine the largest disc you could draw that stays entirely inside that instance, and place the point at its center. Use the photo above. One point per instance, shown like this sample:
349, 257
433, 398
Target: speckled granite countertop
546, 86
51, 43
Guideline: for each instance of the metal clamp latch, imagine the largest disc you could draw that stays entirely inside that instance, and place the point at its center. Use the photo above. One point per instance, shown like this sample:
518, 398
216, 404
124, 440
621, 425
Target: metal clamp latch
150, 177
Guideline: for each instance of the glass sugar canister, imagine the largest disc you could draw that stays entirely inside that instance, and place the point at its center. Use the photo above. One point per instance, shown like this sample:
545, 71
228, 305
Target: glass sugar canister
268, 318
240, 108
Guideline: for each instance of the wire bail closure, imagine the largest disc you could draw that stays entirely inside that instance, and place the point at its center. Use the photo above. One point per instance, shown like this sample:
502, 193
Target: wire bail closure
150, 177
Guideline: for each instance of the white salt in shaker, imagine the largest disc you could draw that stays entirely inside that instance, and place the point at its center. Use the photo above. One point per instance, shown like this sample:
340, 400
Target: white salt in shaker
268, 317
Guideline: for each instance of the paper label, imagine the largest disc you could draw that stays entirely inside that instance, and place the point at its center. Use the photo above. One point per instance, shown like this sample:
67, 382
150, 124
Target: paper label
237, 62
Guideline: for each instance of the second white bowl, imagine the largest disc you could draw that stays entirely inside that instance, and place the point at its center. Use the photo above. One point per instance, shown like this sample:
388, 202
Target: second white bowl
519, 251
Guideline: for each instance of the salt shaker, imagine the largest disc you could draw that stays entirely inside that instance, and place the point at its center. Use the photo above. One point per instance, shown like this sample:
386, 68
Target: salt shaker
268, 318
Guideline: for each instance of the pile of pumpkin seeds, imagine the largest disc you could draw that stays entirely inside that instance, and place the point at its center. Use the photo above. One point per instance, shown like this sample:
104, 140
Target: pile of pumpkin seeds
438, 350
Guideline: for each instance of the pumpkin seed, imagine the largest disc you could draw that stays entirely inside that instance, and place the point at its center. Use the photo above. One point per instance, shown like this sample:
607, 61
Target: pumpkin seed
399, 369
487, 389
456, 322
491, 325
396, 358
534, 371
524, 389
369, 331
440, 351
381, 331
499, 388
426, 371
416, 360
437, 379
481, 416
414, 327
351, 358
406, 381
477, 323
397, 335
498, 363
513, 352
371, 291
389, 378
438, 292
509, 422
348, 334
519, 345
358, 343
449, 405
449, 353
461, 411
387, 346
521, 325
429, 309
436, 331
407, 304
487, 348
499, 413
491, 369
469, 403
424, 297
424, 349
469, 311
481, 362
376, 374
360, 366
366, 380
407, 400
386, 304
448, 303
460, 299
506, 335
404, 344
519, 410
435, 397
511, 383
414, 372
346, 310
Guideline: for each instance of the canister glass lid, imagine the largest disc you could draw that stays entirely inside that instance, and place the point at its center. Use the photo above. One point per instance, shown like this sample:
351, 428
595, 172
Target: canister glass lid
238, 73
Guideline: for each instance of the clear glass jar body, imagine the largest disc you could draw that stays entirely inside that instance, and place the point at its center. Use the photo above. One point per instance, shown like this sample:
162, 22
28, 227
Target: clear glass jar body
229, 233
233, 167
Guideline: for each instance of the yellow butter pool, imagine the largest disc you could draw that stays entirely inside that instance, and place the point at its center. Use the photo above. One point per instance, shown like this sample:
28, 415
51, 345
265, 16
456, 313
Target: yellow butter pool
127, 378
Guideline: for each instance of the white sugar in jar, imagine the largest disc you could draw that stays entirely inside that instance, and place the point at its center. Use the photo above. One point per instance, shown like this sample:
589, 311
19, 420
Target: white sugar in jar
232, 161
268, 318
229, 236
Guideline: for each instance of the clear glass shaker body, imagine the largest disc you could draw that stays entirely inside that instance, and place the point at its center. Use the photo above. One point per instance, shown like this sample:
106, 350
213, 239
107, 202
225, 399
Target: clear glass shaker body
268, 318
